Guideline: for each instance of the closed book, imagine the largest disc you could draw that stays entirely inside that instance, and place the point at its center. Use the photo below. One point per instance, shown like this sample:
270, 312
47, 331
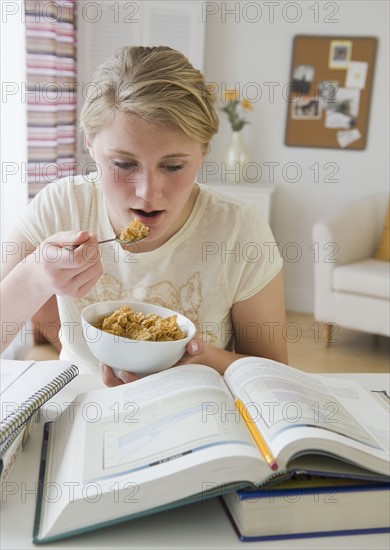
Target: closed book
25, 387
309, 507
9, 451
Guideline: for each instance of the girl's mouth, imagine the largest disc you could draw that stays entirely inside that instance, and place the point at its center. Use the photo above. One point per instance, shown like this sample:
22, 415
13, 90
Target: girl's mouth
151, 214
148, 217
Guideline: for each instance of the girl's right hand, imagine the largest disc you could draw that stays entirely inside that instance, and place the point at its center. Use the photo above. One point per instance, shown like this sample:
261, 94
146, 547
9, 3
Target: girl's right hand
110, 380
69, 263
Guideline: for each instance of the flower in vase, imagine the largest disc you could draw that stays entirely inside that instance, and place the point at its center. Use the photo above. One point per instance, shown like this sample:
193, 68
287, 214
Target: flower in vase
234, 108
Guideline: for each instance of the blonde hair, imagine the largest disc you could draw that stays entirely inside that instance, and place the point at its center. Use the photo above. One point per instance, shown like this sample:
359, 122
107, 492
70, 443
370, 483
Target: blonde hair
158, 84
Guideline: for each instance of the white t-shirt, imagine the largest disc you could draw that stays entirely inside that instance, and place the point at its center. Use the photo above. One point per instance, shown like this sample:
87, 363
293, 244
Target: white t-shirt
224, 253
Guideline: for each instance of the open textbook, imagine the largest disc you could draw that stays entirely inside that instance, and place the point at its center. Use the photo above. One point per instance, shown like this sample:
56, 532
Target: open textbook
188, 433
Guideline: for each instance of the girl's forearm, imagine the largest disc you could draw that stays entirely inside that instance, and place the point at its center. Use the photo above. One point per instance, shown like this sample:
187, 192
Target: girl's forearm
22, 294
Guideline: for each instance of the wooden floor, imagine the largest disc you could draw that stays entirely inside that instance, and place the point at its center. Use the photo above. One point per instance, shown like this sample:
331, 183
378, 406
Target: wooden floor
350, 351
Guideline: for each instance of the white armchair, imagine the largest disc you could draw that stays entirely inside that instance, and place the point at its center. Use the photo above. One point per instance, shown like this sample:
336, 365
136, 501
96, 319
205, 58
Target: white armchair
351, 287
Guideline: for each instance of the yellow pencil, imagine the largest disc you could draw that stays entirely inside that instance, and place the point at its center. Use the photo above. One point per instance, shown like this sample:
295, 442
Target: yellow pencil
263, 447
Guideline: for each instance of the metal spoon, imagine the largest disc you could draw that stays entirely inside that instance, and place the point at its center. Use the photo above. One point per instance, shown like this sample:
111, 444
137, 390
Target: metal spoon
121, 241
116, 238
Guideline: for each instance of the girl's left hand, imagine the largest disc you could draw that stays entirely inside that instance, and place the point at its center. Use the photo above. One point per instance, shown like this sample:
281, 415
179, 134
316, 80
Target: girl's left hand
196, 352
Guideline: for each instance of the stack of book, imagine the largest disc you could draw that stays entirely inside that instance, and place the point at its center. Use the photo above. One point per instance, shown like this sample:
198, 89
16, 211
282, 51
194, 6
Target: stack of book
311, 452
318, 498
310, 506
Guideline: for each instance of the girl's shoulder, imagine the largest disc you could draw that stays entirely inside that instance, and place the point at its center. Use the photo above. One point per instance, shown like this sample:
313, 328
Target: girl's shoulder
76, 182
229, 209
71, 189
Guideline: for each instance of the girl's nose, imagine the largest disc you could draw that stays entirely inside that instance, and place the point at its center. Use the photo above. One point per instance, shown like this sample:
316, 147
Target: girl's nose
148, 187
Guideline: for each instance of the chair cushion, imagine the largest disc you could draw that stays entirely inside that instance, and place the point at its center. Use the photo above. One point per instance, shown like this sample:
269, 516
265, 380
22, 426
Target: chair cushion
383, 250
369, 277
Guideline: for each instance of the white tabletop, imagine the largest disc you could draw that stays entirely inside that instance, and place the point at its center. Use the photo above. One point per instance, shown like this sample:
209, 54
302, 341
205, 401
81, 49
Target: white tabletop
201, 525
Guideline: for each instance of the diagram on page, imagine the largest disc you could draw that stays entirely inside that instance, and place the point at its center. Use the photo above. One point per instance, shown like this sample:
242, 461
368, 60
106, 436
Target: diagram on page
286, 404
162, 432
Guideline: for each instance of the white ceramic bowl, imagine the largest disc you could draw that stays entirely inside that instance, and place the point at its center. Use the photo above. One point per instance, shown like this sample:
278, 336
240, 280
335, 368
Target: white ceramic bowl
138, 356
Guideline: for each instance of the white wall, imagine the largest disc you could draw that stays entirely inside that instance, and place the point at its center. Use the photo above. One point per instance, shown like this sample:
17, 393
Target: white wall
238, 50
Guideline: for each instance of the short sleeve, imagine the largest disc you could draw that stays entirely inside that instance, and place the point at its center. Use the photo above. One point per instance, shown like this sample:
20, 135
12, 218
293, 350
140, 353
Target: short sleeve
68, 204
47, 212
260, 259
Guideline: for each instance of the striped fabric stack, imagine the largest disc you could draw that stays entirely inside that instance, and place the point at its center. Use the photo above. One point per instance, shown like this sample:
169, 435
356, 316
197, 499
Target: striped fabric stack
51, 90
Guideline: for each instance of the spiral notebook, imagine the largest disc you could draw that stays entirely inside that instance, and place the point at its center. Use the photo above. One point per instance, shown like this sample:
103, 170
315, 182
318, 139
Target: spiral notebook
25, 387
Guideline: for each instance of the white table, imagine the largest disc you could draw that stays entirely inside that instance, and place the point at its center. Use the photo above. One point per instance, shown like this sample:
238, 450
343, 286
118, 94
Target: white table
202, 525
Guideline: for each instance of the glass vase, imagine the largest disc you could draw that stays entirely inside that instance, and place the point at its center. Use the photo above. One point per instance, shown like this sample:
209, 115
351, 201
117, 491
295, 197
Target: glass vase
236, 156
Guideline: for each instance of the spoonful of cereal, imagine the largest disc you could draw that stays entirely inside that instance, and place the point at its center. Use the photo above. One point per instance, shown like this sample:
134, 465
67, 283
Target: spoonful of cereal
135, 231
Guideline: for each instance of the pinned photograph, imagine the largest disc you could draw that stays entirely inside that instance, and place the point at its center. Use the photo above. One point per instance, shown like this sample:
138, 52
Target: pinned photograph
345, 111
340, 54
356, 74
306, 108
346, 137
327, 93
302, 78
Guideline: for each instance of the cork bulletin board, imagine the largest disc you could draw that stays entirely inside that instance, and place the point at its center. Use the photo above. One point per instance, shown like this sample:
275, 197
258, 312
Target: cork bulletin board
330, 91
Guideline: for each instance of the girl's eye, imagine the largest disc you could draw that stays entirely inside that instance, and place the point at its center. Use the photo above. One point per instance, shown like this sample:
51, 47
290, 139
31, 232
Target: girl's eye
174, 167
124, 165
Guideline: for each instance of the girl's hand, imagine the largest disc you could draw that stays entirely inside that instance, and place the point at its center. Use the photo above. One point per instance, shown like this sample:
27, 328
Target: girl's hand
111, 380
201, 353
196, 352
69, 263
196, 349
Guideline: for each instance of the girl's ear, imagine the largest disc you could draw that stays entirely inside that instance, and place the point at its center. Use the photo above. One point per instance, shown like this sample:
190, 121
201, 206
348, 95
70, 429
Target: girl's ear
206, 149
89, 146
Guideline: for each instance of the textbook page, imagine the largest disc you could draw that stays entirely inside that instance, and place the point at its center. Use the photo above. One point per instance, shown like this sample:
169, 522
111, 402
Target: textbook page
158, 419
288, 404
178, 413
168, 435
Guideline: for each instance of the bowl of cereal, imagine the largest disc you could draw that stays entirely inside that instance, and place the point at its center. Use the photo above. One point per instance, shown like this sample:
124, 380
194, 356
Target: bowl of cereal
135, 336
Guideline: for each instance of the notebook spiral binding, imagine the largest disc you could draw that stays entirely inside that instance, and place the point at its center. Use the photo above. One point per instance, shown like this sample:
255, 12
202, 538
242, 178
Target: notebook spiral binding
8, 442
20, 416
